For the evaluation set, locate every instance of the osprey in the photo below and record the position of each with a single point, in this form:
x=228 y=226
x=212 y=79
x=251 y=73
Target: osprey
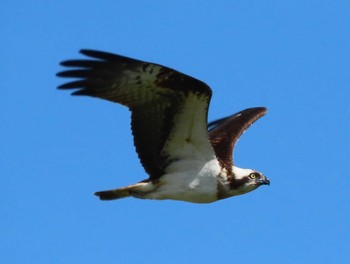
x=186 y=158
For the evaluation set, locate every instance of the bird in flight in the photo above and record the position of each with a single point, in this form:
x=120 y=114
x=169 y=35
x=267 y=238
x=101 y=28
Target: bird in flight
x=186 y=158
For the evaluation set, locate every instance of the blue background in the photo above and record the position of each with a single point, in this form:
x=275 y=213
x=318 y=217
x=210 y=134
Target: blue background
x=56 y=150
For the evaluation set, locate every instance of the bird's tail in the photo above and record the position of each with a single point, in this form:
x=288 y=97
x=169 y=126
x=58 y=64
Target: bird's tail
x=136 y=190
x=113 y=194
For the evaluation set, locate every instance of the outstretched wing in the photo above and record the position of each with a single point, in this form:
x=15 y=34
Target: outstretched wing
x=166 y=105
x=224 y=133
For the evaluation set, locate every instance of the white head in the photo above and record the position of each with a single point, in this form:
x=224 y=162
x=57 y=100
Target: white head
x=246 y=180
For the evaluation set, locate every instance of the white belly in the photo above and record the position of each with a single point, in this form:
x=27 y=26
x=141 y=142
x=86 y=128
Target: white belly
x=190 y=181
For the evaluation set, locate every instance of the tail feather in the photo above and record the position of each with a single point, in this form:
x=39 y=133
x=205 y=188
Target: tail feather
x=113 y=194
x=136 y=190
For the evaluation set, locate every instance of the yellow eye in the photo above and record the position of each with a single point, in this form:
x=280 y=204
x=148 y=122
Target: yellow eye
x=252 y=175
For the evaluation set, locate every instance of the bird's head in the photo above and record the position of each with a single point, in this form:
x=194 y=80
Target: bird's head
x=246 y=180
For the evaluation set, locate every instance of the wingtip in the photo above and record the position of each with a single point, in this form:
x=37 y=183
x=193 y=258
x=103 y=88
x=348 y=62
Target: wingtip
x=86 y=51
x=260 y=110
x=97 y=54
x=264 y=110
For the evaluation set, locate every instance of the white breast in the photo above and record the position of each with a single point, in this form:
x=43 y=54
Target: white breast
x=192 y=181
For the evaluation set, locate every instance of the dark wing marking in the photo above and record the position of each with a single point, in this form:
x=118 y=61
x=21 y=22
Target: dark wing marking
x=152 y=92
x=224 y=133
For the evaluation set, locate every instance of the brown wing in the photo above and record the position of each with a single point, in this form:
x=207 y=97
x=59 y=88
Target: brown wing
x=153 y=93
x=224 y=133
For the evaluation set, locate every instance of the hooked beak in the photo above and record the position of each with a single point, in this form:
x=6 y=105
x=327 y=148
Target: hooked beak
x=265 y=181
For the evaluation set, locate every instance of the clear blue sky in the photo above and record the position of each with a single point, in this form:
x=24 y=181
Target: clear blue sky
x=56 y=150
